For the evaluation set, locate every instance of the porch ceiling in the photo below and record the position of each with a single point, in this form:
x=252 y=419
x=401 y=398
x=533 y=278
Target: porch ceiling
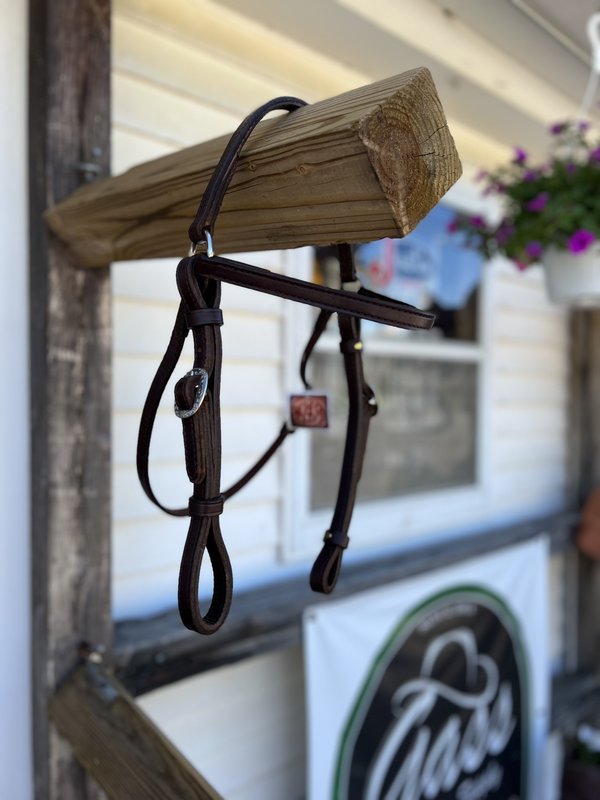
x=377 y=38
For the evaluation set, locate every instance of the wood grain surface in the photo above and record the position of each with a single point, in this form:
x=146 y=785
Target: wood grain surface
x=119 y=745
x=70 y=367
x=357 y=167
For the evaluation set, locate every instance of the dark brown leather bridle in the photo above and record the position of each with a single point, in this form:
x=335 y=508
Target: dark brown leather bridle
x=197 y=394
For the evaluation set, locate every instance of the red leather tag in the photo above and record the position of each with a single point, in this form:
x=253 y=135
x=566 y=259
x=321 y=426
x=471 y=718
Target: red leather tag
x=309 y=411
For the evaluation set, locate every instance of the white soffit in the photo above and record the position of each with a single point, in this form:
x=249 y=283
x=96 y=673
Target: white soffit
x=497 y=72
x=450 y=40
x=289 y=46
x=546 y=36
x=566 y=21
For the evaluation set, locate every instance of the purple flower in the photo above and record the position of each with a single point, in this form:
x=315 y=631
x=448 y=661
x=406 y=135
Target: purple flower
x=595 y=154
x=481 y=175
x=582 y=125
x=495 y=187
x=538 y=203
x=520 y=265
x=530 y=175
x=520 y=156
x=557 y=128
x=570 y=167
x=534 y=250
x=477 y=221
x=581 y=240
x=504 y=232
x=454 y=225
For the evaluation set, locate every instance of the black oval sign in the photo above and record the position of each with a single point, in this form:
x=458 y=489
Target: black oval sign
x=442 y=714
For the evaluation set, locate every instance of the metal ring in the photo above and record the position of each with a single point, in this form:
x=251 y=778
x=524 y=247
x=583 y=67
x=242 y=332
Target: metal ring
x=201 y=388
x=207 y=242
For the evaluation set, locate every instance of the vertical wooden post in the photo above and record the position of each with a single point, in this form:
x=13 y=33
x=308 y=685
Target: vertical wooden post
x=69 y=123
x=585 y=470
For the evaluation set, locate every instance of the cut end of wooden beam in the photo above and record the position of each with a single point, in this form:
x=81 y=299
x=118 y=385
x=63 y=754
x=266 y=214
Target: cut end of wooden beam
x=361 y=166
x=411 y=150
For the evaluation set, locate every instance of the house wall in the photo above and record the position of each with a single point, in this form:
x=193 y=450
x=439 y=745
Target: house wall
x=167 y=71
x=183 y=74
x=15 y=747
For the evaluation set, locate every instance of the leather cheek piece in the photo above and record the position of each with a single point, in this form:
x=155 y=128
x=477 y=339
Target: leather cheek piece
x=185 y=390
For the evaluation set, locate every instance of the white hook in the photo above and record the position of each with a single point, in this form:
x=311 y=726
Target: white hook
x=593 y=32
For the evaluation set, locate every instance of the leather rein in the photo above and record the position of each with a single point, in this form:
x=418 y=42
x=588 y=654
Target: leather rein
x=197 y=394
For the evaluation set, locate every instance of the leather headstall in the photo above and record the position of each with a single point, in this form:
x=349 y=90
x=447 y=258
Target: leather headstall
x=197 y=394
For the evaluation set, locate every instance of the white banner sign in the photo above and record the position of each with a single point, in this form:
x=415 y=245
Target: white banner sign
x=433 y=688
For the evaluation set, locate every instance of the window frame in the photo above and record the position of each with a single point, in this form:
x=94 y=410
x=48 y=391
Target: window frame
x=409 y=519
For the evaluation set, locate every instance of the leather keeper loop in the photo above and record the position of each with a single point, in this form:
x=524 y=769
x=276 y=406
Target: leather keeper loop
x=337 y=538
x=196 y=317
x=206 y=508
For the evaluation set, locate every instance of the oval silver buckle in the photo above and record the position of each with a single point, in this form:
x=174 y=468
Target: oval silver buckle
x=201 y=388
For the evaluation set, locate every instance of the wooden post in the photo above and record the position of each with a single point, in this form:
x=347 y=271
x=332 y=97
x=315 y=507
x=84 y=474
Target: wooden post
x=119 y=745
x=585 y=472
x=360 y=166
x=69 y=122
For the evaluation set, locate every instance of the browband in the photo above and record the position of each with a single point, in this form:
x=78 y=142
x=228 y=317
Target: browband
x=197 y=394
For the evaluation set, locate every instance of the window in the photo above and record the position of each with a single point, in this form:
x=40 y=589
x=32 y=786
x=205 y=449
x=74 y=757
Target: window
x=425 y=434
x=426 y=441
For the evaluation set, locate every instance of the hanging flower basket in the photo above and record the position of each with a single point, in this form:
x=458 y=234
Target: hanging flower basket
x=573 y=279
x=551 y=214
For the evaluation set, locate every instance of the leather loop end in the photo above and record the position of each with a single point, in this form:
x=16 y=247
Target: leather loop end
x=204 y=536
x=326 y=569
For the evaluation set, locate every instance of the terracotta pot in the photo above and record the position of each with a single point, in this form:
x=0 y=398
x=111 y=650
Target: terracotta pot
x=573 y=279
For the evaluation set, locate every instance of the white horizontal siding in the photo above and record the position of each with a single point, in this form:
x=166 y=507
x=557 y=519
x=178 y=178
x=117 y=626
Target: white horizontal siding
x=161 y=59
x=150 y=110
x=130 y=504
x=178 y=79
x=245 y=430
x=251 y=393
x=160 y=105
x=242 y=726
x=529 y=395
x=246 y=53
x=246 y=336
x=130 y=148
x=167 y=94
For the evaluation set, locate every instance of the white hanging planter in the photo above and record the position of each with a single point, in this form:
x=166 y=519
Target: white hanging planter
x=573 y=279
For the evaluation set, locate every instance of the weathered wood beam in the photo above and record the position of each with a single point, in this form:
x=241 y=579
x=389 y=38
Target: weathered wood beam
x=118 y=744
x=584 y=450
x=70 y=340
x=154 y=652
x=360 y=166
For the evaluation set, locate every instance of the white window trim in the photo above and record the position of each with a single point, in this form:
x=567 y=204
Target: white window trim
x=410 y=519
